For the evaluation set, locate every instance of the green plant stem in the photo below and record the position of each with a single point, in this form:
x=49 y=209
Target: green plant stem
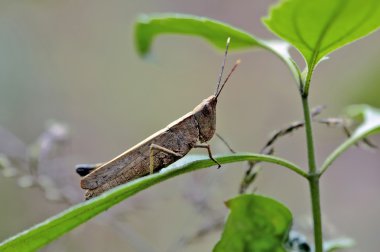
x=313 y=178
x=309 y=136
x=316 y=208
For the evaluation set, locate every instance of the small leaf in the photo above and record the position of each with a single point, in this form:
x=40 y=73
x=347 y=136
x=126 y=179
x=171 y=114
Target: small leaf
x=52 y=228
x=370 y=118
x=149 y=26
x=318 y=27
x=256 y=223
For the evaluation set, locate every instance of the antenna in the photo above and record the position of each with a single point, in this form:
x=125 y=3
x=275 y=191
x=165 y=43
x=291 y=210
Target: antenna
x=223 y=64
x=228 y=76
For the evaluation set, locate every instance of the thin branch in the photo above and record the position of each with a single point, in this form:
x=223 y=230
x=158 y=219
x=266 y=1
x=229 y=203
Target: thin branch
x=268 y=148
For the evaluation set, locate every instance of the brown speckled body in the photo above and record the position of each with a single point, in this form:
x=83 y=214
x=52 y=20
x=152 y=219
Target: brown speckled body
x=180 y=136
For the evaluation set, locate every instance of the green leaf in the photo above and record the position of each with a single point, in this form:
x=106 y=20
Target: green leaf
x=370 y=118
x=256 y=223
x=148 y=27
x=52 y=228
x=318 y=27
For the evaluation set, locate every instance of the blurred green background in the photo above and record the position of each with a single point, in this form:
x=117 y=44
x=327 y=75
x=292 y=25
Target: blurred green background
x=74 y=62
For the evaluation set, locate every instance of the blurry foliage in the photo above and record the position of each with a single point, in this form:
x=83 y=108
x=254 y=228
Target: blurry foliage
x=26 y=163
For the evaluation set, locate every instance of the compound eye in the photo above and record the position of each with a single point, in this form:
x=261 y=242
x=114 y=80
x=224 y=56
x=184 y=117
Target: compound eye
x=207 y=110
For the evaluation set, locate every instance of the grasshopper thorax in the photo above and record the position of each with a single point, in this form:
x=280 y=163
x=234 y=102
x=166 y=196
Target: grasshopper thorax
x=205 y=115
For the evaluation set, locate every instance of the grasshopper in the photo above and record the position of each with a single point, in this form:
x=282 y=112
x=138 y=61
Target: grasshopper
x=193 y=130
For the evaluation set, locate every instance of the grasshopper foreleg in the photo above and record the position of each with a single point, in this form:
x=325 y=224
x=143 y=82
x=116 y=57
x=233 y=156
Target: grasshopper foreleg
x=154 y=147
x=207 y=146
